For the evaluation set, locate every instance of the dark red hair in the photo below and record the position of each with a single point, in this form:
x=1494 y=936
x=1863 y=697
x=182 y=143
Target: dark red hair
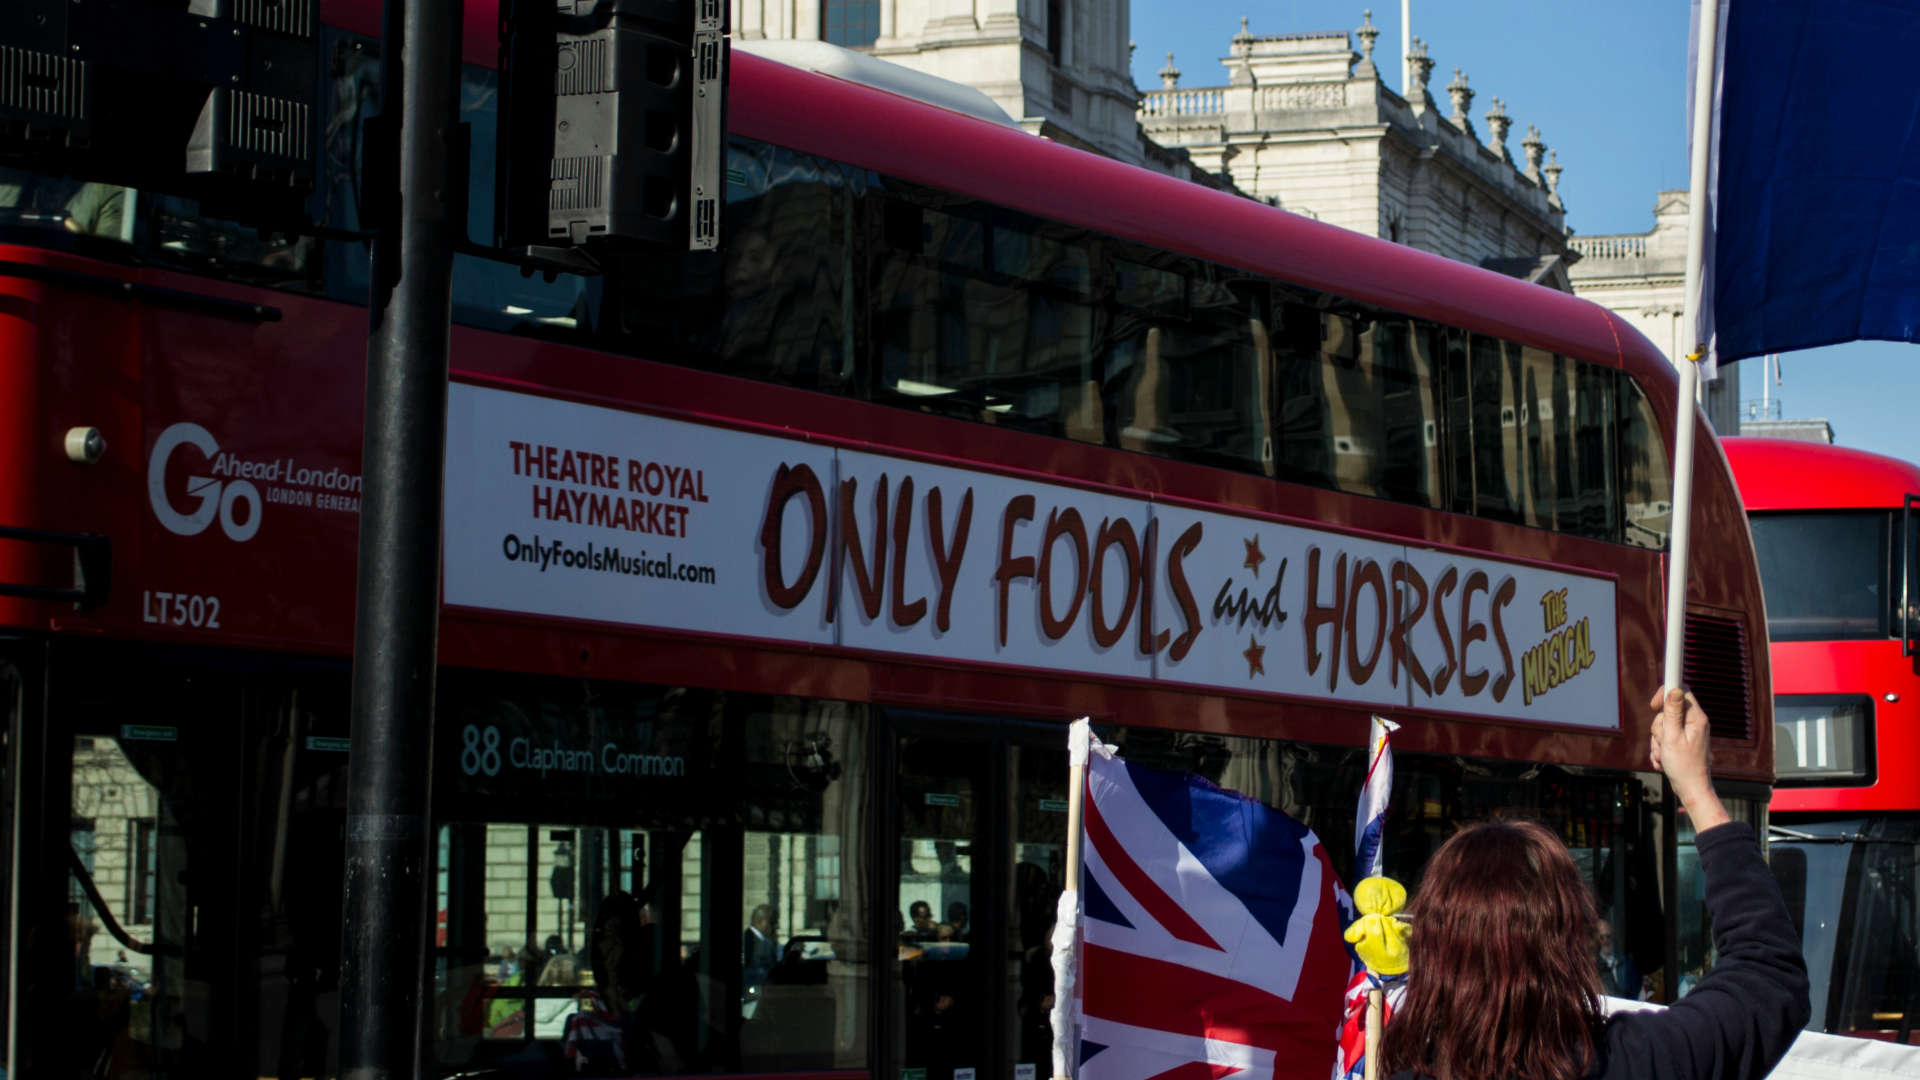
x=1503 y=983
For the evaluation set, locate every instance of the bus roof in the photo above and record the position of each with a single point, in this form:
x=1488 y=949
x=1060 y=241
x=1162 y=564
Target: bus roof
x=1788 y=474
x=861 y=125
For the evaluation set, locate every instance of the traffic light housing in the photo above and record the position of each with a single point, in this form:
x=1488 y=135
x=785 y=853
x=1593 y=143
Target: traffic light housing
x=613 y=123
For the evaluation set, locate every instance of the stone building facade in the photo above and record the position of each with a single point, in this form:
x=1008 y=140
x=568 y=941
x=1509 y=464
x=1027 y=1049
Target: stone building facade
x=1060 y=68
x=1307 y=123
x=1642 y=278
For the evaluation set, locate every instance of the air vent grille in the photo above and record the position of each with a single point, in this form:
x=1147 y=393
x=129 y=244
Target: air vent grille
x=1717 y=669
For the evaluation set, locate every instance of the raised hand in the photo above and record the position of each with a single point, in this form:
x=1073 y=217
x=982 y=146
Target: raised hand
x=1681 y=748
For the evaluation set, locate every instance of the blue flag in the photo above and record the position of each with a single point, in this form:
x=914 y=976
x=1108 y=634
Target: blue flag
x=1814 y=201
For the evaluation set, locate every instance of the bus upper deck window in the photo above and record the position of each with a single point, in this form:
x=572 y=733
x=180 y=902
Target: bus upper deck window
x=1646 y=480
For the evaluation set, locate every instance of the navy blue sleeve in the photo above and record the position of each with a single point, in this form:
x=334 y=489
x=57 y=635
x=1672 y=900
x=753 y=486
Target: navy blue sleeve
x=1746 y=1012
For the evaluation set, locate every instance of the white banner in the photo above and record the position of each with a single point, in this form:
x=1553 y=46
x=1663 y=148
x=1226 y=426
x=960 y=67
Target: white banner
x=1816 y=1055
x=578 y=511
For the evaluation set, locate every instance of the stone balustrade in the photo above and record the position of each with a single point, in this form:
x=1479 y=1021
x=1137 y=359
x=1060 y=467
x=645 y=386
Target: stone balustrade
x=1190 y=101
x=1610 y=247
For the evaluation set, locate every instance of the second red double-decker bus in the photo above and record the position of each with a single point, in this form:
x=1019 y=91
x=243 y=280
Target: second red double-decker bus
x=1836 y=535
x=772 y=577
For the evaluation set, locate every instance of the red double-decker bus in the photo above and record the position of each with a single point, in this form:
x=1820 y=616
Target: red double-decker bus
x=1836 y=536
x=770 y=579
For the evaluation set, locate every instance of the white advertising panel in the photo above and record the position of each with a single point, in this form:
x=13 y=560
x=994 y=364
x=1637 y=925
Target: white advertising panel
x=557 y=508
x=561 y=509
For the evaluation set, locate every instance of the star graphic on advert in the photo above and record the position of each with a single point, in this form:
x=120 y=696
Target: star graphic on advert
x=1256 y=655
x=1254 y=557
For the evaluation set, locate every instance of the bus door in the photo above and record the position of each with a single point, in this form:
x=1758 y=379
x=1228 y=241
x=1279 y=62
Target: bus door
x=582 y=908
x=179 y=880
x=12 y=707
x=980 y=842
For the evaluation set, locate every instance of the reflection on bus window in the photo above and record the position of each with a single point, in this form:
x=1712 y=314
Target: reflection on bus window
x=1881 y=993
x=1646 y=480
x=986 y=317
x=1039 y=819
x=130 y=1005
x=940 y=807
x=1853 y=888
x=803 y=955
x=1363 y=416
x=776 y=303
x=487 y=293
x=1543 y=443
x=162 y=894
x=691 y=897
x=1188 y=364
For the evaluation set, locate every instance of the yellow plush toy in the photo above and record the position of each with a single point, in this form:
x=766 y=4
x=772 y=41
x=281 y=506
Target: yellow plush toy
x=1379 y=938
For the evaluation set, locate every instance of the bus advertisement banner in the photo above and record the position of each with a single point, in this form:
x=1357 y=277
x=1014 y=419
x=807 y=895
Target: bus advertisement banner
x=568 y=510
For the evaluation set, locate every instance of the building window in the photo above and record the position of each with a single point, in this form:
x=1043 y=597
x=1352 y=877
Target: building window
x=141 y=871
x=1056 y=19
x=852 y=23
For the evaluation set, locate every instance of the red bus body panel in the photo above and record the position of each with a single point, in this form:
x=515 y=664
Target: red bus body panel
x=292 y=390
x=1788 y=475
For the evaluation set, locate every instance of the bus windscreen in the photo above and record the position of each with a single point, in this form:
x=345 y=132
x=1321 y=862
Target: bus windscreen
x=1825 y=574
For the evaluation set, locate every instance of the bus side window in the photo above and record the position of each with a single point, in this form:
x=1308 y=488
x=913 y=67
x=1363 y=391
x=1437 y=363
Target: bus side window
x=492 y=294
x=1189 y=364
x=1458 y=431
x=1646 y=480
x=1542 y=426
x=1372 y=401
x=1588 y=506
x=986 y=315
x=1567 y=420
x=775 y=304
x=1497 y=464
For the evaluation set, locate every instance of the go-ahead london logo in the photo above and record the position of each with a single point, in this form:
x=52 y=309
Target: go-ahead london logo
x=224 y=488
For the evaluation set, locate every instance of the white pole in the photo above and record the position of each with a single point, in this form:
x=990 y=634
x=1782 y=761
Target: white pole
x=1065 y=969
x=1406 y=47
x=1766 y=386
x=1703 y=138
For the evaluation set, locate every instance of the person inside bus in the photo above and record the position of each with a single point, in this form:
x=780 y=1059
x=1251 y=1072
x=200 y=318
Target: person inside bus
x=957 y=918
x=759 y=951
x=1504 y=924
x=921 y=913
x=77 y=206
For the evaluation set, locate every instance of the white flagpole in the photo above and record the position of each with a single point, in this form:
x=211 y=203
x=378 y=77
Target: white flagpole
x=1406 y=47
x=1685 y=406
x=1066 y=919
x=1376 y=1024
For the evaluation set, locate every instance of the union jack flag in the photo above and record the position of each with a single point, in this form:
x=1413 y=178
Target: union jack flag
x=1211 y=928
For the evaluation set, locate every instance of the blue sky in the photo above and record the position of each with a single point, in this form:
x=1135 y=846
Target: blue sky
x=1605 y=82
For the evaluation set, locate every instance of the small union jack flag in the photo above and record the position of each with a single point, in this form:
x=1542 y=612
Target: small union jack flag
x=1369 y=828
x=1211 y=933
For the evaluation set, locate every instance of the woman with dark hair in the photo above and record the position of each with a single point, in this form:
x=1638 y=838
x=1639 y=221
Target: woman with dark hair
x=1503 y=986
